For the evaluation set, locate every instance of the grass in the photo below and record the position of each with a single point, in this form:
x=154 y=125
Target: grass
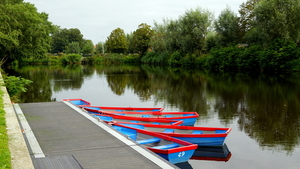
x=5 y=160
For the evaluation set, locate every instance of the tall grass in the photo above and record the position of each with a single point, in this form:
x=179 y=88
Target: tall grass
x=5 y=161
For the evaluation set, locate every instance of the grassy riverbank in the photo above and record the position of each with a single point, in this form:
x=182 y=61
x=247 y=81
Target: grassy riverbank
x=5 y=161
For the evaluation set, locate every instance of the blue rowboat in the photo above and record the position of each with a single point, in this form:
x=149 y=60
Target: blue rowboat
x=171 y=149
x=188 y=118
x=126 y=119
x=78 y=102
x=123 y=109
x=83 y=103
x=202 y=136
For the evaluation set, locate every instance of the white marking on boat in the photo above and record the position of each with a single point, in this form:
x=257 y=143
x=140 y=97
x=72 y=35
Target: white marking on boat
x=32 y=141
x=158 y=161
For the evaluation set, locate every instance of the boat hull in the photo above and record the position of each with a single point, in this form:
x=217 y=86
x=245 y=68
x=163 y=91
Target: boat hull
x=202 y=136
x=178 y=157
x=204 y=141
x=123 y=109
x=142 y=121
x=78 y=102
x=188 y=118
x=178 y=154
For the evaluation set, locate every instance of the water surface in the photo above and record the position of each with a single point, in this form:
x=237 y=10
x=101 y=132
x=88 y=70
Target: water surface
x=263 y=111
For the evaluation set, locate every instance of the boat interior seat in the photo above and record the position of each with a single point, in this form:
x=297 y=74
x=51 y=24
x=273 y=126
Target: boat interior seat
x=188 y=114
x=155 y=110
x=119 y=110
x=78 y=102
x=168 y=116
x=150 y=140
x=156 y=123
x=137 y=126
x=104 y=118
x=120 y=114
x=197 y=132
x=132 y=134
x=221 y=131
x=139 y=111
x=169 y=131
x=93 y=108
x=145 y=115
x=134 y=122
x=168 y=146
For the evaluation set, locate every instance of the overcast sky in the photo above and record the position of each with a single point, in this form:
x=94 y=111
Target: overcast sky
x=96 y=19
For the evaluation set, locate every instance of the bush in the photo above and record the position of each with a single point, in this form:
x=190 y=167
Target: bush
x=201 y=62
x=249 y=58
x=15 y=86
x=280 y=56
x=133 y=58
x=175 y=59
x=188 y=61
x=71 y=58
x=224 y=58
x=113 y=59
x=162 y=58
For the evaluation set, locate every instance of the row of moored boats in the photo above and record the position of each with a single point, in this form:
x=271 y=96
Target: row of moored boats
x=171 y=135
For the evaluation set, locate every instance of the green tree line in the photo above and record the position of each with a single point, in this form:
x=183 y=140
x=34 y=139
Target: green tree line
x=263 y=36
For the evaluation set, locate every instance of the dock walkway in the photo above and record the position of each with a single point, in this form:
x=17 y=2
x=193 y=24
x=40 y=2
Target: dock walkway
x=60 y=135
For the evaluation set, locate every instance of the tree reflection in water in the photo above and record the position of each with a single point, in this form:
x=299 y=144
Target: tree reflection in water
x=267 y=107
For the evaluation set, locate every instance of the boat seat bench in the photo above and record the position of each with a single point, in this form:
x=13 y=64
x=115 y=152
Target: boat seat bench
x=169 y=131
x=197 y=132
x=150 y=140
x=168 y=146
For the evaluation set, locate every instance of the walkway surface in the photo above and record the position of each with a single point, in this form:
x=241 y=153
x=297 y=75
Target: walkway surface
x=60 y=135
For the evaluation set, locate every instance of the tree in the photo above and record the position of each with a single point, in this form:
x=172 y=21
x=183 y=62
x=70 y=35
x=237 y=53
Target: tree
x=63 y=37
x=173 y=35
x=116 y=42
x=140 y=41
x=73 y=47
x=100 y=47
x=194 y=26
x=278 y=19
x=158 y=39
x=246 y=16
x=24 y=32
x=128 y=40
x=227 y=27
x=11 y=1
x=88 y=47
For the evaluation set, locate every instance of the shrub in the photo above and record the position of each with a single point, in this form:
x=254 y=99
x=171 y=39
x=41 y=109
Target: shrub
x=162 y=58
x=201 y=62
x=71 y=58
x=175 y=59
x=249 y=58
x=133 y=58
x=16 y=85
x=280 y=56
x=148 y=57
x=188 y=61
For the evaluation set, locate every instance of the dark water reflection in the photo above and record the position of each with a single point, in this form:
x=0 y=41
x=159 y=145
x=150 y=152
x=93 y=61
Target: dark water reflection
x=264 y=111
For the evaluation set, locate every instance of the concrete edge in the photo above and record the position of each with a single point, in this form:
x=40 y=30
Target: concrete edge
x=31 y=139
x=20 y=157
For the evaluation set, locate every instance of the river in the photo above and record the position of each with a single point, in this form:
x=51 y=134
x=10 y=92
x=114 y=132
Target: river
x=262 y=110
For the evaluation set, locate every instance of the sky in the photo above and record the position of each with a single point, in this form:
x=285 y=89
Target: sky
x=96 y=19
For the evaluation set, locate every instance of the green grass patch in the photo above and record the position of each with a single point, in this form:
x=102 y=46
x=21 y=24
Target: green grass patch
x=5 y=161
